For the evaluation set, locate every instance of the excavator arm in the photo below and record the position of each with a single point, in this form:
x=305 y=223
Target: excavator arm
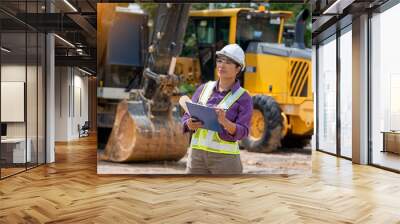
x=145 y=127
x=166 y=44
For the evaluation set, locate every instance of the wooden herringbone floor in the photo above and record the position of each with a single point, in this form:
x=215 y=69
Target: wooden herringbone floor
x=70 y=191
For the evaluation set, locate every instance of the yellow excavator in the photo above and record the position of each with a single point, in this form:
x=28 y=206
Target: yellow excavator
x=147 y=125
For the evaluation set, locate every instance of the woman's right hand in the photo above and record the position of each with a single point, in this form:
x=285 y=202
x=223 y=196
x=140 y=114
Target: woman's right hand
x=194 y=125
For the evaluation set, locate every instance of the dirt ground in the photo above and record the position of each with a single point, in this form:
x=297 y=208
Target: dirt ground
x=284 y=161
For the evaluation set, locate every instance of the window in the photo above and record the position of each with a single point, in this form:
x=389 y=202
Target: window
x=190 y=41
x=205 y=34
x=346 y=93
x=385 y=89
x=205 y=31
x=222 y=36
x=212 y=34
x=256 y=27
x=327 y=96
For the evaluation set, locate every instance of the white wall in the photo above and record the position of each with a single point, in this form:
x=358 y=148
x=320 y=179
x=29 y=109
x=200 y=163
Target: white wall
x=80 y=102
x=13 y=73
x=71 y=94
x=61 y=103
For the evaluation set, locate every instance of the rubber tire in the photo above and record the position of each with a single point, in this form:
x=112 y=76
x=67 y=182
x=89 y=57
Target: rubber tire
x=272 y=136
x=292 y=141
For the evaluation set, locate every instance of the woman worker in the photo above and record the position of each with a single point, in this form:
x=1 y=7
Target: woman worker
x=218 y=152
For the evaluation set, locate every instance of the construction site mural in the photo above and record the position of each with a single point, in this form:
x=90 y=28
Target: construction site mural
x=204 y=88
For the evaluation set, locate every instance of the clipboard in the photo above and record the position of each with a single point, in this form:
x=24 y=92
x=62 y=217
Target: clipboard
x=205 y=114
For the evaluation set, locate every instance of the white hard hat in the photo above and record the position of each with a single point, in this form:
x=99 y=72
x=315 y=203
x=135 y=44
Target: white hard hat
x=234 y=52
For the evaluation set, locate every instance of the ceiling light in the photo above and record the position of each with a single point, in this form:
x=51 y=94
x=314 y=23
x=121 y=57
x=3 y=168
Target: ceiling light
x=65 y=41
x=132 y=8
x=338 y=6
x=70 y=5
x=5 y=50
x=86 y=72
x=328 y=10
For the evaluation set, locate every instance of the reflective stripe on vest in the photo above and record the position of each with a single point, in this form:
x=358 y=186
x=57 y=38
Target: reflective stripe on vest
x=209 y=140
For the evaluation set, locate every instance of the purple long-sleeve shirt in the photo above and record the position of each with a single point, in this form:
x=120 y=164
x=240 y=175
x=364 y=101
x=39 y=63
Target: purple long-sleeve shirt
x=240 y=112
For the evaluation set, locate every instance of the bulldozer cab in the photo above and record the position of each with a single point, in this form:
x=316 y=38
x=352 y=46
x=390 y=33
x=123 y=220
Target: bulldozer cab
x=204 y=36
x=257 y=27
x=210 y=30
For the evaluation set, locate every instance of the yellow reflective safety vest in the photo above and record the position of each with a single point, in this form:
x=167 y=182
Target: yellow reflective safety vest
x=209 y=140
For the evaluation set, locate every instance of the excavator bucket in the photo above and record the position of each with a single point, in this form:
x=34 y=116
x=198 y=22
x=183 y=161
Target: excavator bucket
x=138 y=136
x=147 y=128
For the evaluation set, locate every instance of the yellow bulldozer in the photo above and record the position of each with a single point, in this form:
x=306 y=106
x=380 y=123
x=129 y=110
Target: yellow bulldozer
x=147 y=124
x=278 y=77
